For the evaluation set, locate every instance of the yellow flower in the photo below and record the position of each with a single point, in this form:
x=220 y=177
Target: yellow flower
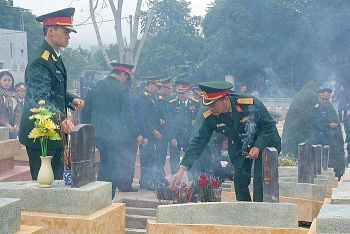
x=36 y=133
x=44 y=127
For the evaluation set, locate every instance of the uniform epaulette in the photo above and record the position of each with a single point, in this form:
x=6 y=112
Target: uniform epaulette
x=173 y=100
x=194 y=99
x=146 y=93
x=45 y=55
x=207 y=113
x=317 y=105
x=247 y=101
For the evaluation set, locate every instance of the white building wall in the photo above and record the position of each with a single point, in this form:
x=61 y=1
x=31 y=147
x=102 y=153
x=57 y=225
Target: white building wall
x=13 y=52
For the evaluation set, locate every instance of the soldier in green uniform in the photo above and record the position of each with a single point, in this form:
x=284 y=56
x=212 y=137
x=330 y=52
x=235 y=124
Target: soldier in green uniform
x=162 y=144
x=46 y=79
x=152 y=121
x=181 y=114
x=107 y=108
x=322 y=127
x=249 y=128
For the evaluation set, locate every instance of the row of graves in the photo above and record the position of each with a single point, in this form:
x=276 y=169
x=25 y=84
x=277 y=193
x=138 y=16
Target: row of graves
x=307 y=193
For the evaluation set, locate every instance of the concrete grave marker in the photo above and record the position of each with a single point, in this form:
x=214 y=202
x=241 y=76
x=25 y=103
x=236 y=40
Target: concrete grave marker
x=325 y=157
x=270 y=175
x=318 y=151
x=305 y=163
x=83 y=155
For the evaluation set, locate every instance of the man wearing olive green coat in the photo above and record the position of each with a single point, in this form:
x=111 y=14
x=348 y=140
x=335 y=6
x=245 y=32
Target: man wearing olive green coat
x=249 y=127
x=46 y=79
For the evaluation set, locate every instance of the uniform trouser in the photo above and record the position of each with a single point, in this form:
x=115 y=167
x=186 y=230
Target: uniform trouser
x=35 y=162
x=111 y=156
x=148 y=165
x=162 y=151
x=242 y=178
x=127 y=172
x=175 y=157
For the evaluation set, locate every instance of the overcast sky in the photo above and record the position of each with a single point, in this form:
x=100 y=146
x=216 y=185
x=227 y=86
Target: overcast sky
x=86 y=35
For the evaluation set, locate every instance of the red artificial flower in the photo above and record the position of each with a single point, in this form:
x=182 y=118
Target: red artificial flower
x=203 y=176
x=189 y=196
x=215 y=183
x=175 y=191
x=184 y=185
x=203 y=182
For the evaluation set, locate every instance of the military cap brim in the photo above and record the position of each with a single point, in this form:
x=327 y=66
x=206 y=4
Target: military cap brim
x=213 y=90
x=166 y=82
x=122 y=67
x=61 y=18
x=182 y=86
x=325 y=93
x=154 y=79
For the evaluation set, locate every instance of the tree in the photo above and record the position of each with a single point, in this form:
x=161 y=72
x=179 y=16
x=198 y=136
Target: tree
x=247 y=38
x=15 y=18
x=174 y=43
x=126 y=52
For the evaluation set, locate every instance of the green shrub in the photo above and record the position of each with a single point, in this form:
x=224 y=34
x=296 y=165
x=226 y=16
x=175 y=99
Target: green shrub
x=286 y=160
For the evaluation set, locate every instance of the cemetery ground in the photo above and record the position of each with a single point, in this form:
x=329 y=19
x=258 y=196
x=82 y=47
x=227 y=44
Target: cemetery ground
x=310 y=203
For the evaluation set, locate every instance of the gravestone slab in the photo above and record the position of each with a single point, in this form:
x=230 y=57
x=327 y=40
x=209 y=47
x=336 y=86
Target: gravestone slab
x=60 y=199
x=260 y=214
x=325 y=158
x=4 y=133
x=333 y=219
x=318 y=151
x=270 y=175
x=303 y=190
x=10 y=215
x=305 y=163
x=82 y=155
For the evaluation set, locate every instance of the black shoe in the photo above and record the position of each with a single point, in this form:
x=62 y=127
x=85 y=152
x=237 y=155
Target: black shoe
x=127 y=190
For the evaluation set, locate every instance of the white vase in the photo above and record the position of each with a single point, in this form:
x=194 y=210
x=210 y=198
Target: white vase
x=45 y=175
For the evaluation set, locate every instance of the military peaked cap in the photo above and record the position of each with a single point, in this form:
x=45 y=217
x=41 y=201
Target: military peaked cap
x=213 y=90
x=325 y=93
x=62 y=18
x=122 y=67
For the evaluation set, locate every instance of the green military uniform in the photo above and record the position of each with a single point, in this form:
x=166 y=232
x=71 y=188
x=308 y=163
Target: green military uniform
x=180 y=117
x=46 y=79
x=246 y=112
x=148 y=177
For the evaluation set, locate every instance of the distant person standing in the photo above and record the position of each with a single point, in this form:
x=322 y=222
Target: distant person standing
x=181 y=115
x=106 y=106
x=126 y=175
x=152 y=120
x=243 y=88
x=343 y=96
x=46 y=79
x=10 y=110
x=21 y=93
x=162 y=144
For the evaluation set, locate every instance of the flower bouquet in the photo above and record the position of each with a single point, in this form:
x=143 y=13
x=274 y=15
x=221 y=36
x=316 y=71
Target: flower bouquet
x=207 y=189
x=44 y=129
x=178 y=195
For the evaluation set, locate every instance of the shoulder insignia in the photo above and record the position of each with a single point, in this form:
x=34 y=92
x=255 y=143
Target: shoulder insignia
x=317 y=105
x=45 y=55
x=194 y=100
x=145 y=93
x=207 y=113
x=173 y=100
x=247 y=101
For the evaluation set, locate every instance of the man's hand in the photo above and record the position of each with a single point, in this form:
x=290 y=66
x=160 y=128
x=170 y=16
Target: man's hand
x=78 y=103
x=139 y=140
x=173 y=143
x=176 y=178
x=67 y=126
x=253 y=153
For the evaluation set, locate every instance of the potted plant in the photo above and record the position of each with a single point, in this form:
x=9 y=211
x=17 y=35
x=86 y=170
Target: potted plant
x=44 y=129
